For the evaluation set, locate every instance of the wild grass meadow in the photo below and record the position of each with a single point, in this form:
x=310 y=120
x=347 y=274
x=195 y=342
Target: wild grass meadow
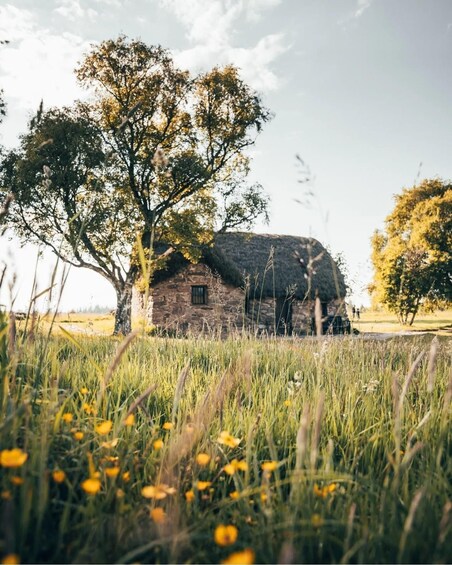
x=150 y=449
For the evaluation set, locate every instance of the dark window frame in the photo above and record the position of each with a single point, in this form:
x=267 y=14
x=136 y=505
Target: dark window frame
x=199 y=295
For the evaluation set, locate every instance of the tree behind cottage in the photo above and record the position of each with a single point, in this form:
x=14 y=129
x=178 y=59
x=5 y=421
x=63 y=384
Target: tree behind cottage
x=412 y=257
x=155 y=153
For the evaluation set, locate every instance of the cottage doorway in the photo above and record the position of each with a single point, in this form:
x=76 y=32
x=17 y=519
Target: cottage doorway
x=283 y=315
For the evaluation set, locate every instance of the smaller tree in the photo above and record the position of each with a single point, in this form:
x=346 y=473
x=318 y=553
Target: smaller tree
x=412 y=257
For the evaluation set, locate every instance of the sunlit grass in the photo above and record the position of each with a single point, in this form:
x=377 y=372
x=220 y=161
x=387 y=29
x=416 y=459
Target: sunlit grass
x=315 y=450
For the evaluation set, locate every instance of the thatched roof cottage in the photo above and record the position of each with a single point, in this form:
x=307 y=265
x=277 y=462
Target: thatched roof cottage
x=265 y=283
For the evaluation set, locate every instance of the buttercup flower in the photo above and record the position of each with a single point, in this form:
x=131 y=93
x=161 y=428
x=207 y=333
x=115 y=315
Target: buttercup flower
x=158 y=444
x=58 y=476
x=225 y=535
x=245 y=557
x=78 y=435
x=323 y=492
x=130 y=420
x=158 y=515
x=13 y=457
x=104 y=427
x=189 y=495
x=91 y=486
x=202 y=485
x=168 y=426
x=269 y=466
x=234 y=495
x=67 y=417
x=317 y=521
x=226 y=439
x=126 y=476
x=235 y=465
x=202 y=459
x=159 y=492
x=112 y=472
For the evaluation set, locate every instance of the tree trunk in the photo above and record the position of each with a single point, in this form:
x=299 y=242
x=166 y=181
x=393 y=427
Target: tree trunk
x=123 y=314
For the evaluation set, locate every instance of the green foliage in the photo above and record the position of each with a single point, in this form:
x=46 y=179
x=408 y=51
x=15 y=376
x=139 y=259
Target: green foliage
x=155 y=152
x=360 y=440
x=412 y=258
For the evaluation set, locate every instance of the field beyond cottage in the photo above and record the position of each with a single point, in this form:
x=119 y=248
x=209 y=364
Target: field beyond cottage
x=195 y=450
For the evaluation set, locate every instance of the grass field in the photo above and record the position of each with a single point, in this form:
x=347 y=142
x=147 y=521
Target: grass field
x=439 y=323
x=195 y=450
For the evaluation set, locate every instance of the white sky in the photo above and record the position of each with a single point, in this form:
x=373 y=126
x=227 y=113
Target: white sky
x=360 y=89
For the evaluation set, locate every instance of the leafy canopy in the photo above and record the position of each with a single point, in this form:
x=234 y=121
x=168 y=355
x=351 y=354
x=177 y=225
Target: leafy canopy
x=155 y=152
x=412 y=257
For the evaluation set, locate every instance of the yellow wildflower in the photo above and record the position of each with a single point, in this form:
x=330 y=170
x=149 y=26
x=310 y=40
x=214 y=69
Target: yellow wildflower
x=84 y=390
x=67 y=417
x=235 y=465
x=158 y=515
x=112 y=472
x=158 y=444
x=269 y=466
x=110 y=444
x=17 y=480
x=78 y=435
x=203 y=459
x=226 y=439
x=58 y=476
x=168 y=426
x=126 y=476
x=91 y=486
x=245 y=557
x=13 y=457
x=225 y=535
x=88 y=409
x=159 y=492
x=11 y=559
x=189 y=495
x=130 y=420
x=104 y=427
x=202 y=485
x=287 y=403
x=323 y=492
x=234 y=495
x=317 y=521
x=120 y=493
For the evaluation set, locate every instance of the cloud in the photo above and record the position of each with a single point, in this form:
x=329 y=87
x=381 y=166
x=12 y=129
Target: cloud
x=211 y=29
x=73 y=10
x=15 y=24
x=37 y=64
x=361 y=7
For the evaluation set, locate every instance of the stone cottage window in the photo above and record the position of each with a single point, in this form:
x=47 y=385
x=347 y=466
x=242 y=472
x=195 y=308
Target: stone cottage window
x=199 y=294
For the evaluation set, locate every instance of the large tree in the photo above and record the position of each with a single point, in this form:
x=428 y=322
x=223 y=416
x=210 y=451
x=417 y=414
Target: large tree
x=412 y=257
x=155 y=154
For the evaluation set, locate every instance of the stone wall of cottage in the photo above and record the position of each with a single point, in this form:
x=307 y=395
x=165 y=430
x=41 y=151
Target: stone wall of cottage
x=169 y=306
x=170 y=303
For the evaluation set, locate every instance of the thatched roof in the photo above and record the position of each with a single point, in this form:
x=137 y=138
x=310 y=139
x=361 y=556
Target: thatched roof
x=268 y=265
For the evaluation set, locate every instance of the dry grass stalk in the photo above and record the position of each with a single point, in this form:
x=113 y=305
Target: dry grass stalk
x=318 y=317
x=12 y=334
x=317 y=426
x=183 y=443
x=431 y=364
x=287 y=553
x=181 y=382
x=350 y=521
x=117 y=358
x=409 y=522
x=140 y=399
x=409 y=378
x=446 y=522
x=302 y=438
